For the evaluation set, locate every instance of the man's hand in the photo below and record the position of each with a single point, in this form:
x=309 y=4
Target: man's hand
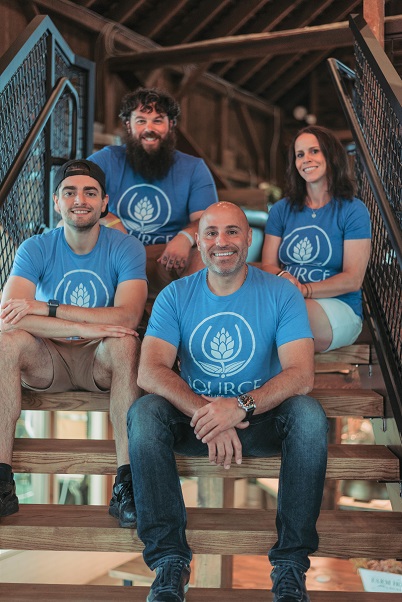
x=14 y=309
x=101 y=331
x=176 y=254
x=220 y=414
x=223 y=447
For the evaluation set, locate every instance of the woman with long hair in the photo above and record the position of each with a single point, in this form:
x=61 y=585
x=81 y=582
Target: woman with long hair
x=319 y=236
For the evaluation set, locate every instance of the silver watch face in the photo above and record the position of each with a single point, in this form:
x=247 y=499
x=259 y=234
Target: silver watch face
x=246 y=402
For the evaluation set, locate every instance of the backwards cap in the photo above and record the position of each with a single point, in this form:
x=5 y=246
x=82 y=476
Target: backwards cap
x=79 y=167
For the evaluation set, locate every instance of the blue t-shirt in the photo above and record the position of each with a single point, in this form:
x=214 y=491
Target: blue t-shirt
x=312 y=247
x=88 y=280
x=155 y=212
x=229 y=345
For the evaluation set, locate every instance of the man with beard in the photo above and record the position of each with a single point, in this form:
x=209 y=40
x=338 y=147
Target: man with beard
x=246 y=368
x=69 y=311
x=157 y=192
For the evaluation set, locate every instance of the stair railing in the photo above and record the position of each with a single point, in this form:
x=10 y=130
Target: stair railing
x=371 y=97
x=46 y=117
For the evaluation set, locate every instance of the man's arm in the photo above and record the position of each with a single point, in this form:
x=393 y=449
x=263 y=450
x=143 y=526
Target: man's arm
x=296 y=378
x=21 y=310
x=157 y=359
x=177 y=251
x=155 y=369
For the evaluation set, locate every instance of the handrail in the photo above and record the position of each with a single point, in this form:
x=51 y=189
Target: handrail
x=36 y=131
x=388 y=216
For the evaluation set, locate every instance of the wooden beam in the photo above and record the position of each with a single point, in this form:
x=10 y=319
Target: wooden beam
x=126 y=9
x=272 y=20
x=189 y=80
x=199 y=19
x=165 y=15
x=240 y=15
x=374 y=14
x=251 y=137
x=244 y=46
x=308 y=15
x=127 y=39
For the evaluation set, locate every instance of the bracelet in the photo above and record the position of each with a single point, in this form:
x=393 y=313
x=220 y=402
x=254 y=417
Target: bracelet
x=309 y=290
x=279 y=274
x=190 y=238
x=113 y=223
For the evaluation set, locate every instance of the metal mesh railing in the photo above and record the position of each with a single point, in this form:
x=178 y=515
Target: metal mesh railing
x=29 y=73
x=379 y=114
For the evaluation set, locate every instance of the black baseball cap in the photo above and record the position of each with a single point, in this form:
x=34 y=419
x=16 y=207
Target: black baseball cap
x=79 y=167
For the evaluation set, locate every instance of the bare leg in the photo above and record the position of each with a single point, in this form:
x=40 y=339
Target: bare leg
x=22 y=356
x=320 y=325
x=116 y=367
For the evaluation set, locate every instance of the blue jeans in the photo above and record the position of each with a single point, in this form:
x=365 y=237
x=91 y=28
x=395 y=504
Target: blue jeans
x=297 y=429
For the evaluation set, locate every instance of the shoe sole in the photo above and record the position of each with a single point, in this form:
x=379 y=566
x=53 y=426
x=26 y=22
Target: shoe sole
x=122 y=523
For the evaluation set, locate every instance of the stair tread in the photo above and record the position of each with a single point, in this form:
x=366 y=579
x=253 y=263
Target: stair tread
x=343 y=533
x=80 y=456
x=336 y=402
x=24 y=592
x=21 y=592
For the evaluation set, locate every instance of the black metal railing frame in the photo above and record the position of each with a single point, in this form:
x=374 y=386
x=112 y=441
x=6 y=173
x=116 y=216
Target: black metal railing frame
x=47 y=98
x=383 y=310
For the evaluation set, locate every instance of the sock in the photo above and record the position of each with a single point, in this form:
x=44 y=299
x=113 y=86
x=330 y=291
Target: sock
x=6 y=473
x=122 y=472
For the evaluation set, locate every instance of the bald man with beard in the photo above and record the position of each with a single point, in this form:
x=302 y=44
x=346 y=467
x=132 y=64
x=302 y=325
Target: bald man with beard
x=246 y=367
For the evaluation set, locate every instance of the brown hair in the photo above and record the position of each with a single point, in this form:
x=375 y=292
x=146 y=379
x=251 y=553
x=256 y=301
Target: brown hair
x=340 y=182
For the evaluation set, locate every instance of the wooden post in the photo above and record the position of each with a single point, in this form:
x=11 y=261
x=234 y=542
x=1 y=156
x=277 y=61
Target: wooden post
x=374 y=14
x=213 y=570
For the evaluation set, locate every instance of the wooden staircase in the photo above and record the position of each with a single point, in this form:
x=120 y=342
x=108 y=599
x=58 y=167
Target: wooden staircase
x=220 y=531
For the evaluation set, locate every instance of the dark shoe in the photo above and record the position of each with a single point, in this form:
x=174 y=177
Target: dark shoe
x=289 y=584
x=171 y=583
x=122 y=503
x=8 y=499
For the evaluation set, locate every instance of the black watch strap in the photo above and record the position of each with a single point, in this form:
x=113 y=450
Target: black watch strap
x=52 y=304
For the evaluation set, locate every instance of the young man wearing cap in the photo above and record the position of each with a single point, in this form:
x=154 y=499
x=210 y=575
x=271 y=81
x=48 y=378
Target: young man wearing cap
x=157 y=192
x=69 y=312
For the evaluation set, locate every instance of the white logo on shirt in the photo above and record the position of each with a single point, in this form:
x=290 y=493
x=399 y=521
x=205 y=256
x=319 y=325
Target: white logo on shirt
x=144 y=208
x=222 y=350
x=305 y=244
x=75 y=292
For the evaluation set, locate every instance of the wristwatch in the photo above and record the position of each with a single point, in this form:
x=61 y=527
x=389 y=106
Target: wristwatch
x=52 y=304
x=247 y=403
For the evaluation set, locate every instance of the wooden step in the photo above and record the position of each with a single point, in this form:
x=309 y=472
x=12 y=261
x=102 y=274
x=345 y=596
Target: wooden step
x=343 y=533
x=21 y=592
x=26 y=592
x=352 y=354
x=80 y=456
x=336 y=402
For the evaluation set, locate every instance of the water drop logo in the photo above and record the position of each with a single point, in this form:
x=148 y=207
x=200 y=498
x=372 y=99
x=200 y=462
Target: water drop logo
x=144 y=208
x=222 y=344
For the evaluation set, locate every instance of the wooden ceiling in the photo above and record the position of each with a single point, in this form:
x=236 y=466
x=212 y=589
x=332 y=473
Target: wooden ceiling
x=289 y=72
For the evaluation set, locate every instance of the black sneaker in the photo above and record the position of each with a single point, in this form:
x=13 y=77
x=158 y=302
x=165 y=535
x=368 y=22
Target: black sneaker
x=289 y=584
x=171 y=583
x=8 y=499
x=122 y=503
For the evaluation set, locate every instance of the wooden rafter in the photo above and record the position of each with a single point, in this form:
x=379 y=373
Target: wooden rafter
x=126 y=9
x=153 y=27
x=246 y=71
x=240 y=15
x=243 y=46
x=199 y=19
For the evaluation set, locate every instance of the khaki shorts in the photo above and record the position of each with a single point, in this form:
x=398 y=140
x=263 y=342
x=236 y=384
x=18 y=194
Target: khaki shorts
x=73 y=363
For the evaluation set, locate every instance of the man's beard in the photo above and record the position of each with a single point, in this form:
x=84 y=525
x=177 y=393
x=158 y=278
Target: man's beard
x=154 y=165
